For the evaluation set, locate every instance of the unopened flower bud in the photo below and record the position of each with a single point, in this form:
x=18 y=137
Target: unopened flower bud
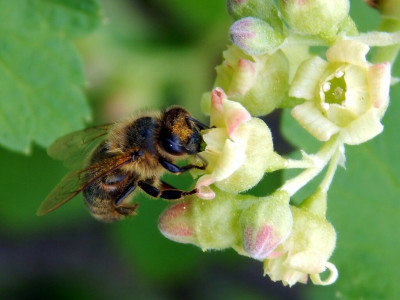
x=266 y=224
x=316 y=17
x=255 y=36
x=207 y=224
x=175 y=223
x=262 y=9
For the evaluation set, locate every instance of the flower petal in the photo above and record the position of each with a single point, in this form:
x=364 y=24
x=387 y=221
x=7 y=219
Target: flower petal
x=232 y=157
x=314 y=121
x=243 y=79
x=307 y=77
x=379 y=84
x=203 y=189
x=357 y=98
x=215 y=138
x=362 y=129
x=348 y=51
x=234 y=115
x=331 y=278
x=310 y=262
x=340 y=115
x=256 y=140
x=216 y=114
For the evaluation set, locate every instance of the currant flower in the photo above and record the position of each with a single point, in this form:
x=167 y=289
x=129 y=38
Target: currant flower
x=259 y=83
x=239 y=148
x=307 y=250
x=345 y=94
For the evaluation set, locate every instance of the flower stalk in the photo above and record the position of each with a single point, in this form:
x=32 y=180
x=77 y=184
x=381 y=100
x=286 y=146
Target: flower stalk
x=321 y=159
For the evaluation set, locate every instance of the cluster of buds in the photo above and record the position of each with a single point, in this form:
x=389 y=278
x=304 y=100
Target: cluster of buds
x=339 y=99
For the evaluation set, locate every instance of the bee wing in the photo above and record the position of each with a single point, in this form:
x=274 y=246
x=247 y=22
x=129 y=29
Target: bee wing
x=74 y=182
x=64 y=191
x=75 y=148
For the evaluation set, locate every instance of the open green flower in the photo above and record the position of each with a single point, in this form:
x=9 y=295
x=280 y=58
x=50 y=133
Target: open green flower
x=305 y=252
x=239 y=148
x=345 y=94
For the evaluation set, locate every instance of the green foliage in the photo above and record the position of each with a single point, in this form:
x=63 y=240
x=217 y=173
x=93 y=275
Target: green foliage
x=364 y=207
x=41 y=78
x=41 y=74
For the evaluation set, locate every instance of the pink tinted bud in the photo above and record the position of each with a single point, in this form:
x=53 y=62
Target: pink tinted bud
x=266 y=224
x=175 y=224
x=255 y=36
x=260 y=243
x=262 y=9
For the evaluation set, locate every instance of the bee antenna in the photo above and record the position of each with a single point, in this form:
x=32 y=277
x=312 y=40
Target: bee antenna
x=198 y=123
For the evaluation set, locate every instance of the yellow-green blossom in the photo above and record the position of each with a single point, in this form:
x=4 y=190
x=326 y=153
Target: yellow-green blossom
x=344 y=94
x=305 y=252
x=239 y=148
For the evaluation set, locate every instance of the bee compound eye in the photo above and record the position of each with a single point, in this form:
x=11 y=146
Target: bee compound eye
x=172 y=145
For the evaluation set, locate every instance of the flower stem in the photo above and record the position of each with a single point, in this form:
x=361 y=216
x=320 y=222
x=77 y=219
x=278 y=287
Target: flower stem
x=326 y=182
x=321 y=158
x=378 y=38
x=299 y=164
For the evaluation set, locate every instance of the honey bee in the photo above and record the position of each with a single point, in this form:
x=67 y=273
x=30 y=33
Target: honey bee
x=114 y=160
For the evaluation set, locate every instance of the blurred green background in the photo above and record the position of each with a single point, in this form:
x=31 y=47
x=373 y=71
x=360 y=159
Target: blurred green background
x=148 y=54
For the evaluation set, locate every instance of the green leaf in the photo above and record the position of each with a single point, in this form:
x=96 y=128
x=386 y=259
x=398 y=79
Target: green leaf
x=364 y=207
x=41 y=74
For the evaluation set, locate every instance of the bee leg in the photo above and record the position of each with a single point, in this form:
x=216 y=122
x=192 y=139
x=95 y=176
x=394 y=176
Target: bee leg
x=175 y=194
x=176 y=169
x=170 y=193
x=149 y=189
x=125 y=193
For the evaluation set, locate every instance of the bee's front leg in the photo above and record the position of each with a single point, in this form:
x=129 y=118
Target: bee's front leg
x=176 y=169
x=171 y=193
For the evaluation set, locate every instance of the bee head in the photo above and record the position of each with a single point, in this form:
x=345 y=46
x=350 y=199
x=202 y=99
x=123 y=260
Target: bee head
x=180 y=133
